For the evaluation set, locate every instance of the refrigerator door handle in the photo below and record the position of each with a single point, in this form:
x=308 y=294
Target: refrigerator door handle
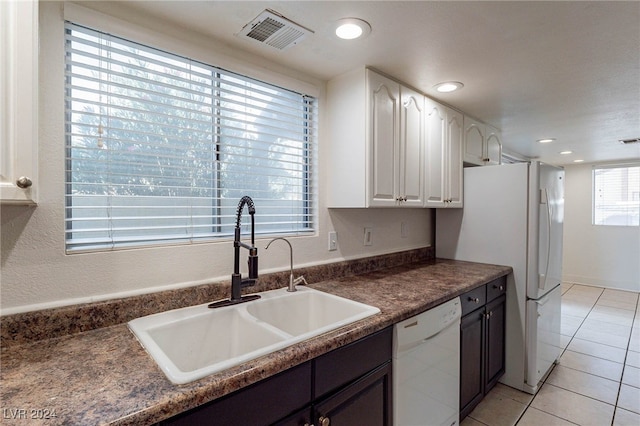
x=545 y=200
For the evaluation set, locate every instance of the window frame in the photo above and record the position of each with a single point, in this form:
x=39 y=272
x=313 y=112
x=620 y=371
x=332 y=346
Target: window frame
x=598 y=209
x=309 y=202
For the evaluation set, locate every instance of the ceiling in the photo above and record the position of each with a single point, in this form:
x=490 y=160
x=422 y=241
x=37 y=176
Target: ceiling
x=563 y=70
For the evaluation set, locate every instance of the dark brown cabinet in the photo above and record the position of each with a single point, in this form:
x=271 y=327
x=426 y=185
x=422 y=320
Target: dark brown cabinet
x=347 y=386
x=482 y=342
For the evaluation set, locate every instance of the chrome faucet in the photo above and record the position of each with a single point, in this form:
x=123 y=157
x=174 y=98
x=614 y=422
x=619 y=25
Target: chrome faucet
x=237 y=283
x=292 y=282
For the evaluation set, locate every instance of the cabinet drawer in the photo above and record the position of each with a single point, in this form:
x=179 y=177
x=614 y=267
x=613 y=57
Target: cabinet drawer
x=345 y=364
x=473 y=300
x=496 y=288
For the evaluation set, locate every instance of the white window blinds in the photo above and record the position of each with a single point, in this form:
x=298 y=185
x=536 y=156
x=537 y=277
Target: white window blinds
x=161 y=148
x=616 y=195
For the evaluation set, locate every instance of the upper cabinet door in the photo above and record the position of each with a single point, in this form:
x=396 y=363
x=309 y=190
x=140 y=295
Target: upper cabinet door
x=443 y=169
x=474 y=141
x=455 y=141
x=411 y=148
x=384 y=110
x=436 y=123
x=493 y=146
x=19 y=103
x=482 y=143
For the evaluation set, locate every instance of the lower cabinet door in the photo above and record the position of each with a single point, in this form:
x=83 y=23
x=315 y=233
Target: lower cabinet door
x=496 y=317
x=365 y=402
x=471 y=361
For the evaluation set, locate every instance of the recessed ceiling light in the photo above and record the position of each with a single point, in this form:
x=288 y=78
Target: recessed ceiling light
x=448 y=86
x=352 y=28
x=566 y=152
x=548 y=140
x=578 y=161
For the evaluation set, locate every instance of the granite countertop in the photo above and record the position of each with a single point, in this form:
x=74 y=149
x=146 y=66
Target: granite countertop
x=104 y=376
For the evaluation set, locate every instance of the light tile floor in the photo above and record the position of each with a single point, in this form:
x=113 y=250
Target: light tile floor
x=598 y=379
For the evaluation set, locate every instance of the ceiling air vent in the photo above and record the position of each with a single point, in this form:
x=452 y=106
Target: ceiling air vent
x=632 y=140
x=275 y=30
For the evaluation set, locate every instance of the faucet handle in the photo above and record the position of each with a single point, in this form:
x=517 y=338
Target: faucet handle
x=253 y=265
x=247 y=282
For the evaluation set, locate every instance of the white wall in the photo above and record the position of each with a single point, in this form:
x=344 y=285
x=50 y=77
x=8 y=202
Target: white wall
x=36 y=273
x=607 y=256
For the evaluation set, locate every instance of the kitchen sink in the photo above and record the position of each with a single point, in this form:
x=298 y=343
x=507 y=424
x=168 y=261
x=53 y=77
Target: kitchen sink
x=194 y=342
x=304 y=312
x=212 y=338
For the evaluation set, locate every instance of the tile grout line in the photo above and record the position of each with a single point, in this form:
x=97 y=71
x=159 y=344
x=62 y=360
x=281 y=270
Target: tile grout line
x=615 y=405
x=528 y=405
x=624 y=365
x=544 y=382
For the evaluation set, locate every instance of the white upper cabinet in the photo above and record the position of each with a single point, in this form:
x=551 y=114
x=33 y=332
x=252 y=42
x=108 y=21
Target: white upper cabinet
x=375 y=142
x=391 y=146
x=443 y=156
x=482 y=143
x=19 y=102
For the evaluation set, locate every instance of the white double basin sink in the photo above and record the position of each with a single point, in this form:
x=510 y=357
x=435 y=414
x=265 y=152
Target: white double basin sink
x=194 y=342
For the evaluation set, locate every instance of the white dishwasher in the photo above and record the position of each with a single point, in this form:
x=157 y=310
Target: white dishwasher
x=426 y=367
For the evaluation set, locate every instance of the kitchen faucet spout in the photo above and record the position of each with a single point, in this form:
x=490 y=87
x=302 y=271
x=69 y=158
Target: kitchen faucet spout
x=292 y=282
x=237 y=282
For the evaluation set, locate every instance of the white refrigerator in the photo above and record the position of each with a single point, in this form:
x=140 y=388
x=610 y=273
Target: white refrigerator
x=513 y=215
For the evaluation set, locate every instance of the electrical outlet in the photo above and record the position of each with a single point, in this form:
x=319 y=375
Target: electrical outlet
x=404 y=230
x=368 y=236
x=333 y=241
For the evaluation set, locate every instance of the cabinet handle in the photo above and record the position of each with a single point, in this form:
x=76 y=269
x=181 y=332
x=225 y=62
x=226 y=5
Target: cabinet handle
x=474 y=300
x=498 y=287
x=24 y=182
x=324 y=421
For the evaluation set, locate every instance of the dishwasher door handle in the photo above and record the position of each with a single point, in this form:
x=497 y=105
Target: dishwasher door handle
x=442 y=330
x=415 y=343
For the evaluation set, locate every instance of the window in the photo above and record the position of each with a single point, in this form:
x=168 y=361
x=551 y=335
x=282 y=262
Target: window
x=161 y=148
x=616 y=195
